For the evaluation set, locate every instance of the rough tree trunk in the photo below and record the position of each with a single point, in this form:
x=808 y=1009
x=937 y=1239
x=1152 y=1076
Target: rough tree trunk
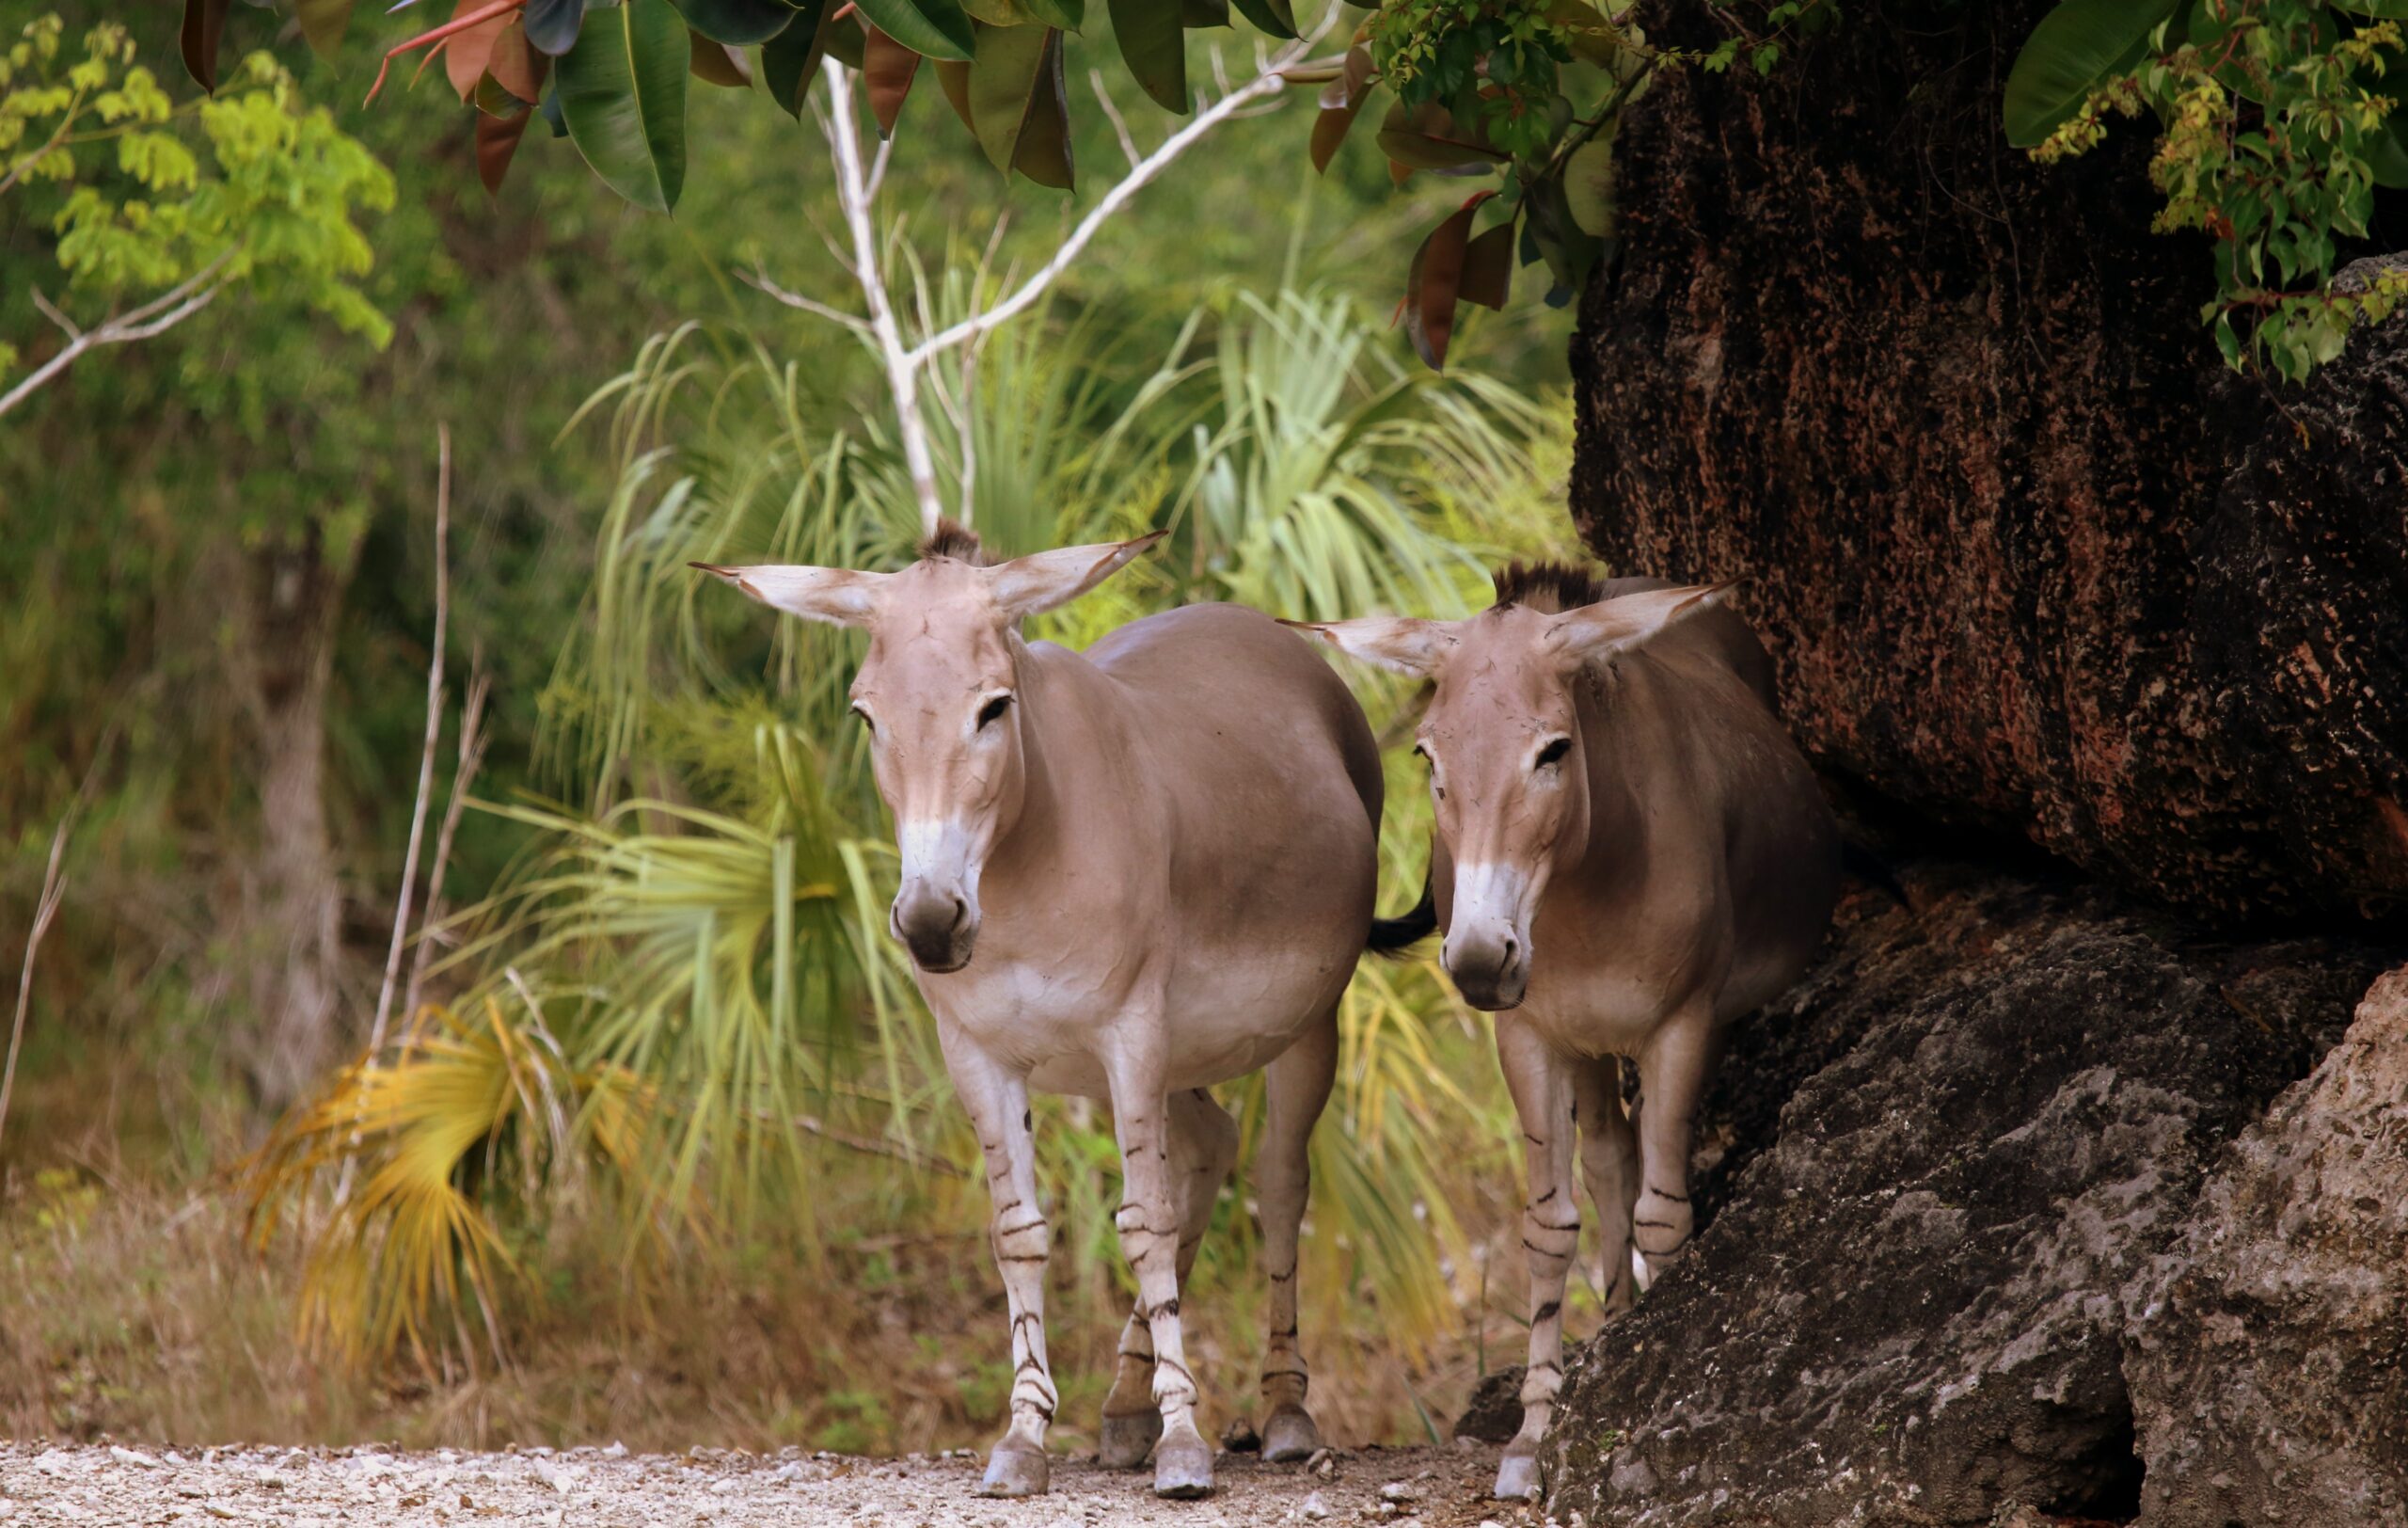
x=2027 y=555
x=293 y=907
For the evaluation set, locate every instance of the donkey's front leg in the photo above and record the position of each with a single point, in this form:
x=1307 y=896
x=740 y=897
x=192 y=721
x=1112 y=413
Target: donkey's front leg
x=1149 y=1221
x=1541 y=1082
x=1673 y=1071
x=997 y=1100
x=1204 y=1145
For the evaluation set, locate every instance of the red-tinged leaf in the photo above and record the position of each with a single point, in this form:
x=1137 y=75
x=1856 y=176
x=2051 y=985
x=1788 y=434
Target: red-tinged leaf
x=1427 y=137
x=716 y=63
x=204 y=23
x=888 y=68
x=1435 y=283
x=1399 y=172
x=954 y=79
x=516 y=65
x=496 y=141
x=1488 y=266
x=1341 y=101
x=464 y=52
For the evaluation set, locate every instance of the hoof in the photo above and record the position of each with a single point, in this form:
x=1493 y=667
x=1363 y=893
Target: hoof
x=1290 y=1437
x=1128 y=1439
x=1016 y=1471
x=1183 y=1469
x=1639 y=1273
x=1517 y=1477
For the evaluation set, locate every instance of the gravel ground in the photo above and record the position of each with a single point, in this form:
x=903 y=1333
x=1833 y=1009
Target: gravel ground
x=104 y=1484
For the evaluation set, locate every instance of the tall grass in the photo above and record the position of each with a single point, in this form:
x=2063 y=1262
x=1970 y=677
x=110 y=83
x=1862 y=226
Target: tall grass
x=701 y=922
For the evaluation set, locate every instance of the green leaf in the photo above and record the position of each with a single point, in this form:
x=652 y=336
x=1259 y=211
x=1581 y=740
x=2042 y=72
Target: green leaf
x=1589 y=185
x=1276 y=17
x=716 y=63
x=932 y=29
x=2386 y=150
x=323 y=23
x=552 y=26
x=1154 y=47
x=1429 y=138
x=791 y=59
x=740 y=23
x=2077 y=48
x=623 y=94
x=1018 y=106
x=1070 y=15
x=1202 y=13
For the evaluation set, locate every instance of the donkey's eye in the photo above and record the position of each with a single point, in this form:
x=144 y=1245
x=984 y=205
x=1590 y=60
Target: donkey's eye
x=1553 y=753
x=993 y=710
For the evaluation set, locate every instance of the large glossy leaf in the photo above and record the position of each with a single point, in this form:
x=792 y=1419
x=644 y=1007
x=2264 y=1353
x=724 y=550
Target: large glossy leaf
x=2386 y=150
x=1070 y=15
x=1276 y=17
x=716 y=63
x=1200 y=13
x=496 y=141
x=1155 y=48
x=1435 y=285
x=204 y=23
x=515 y=64
x=740 y=23
x=790 y=59
x=2078 y=47
x=622 y=93
x=1044 y=151
x=932 y=29
x=888 y=69
x=1341 y=101
x=1016 y=104
x=1427 y=137
x=552 y=26
x=1000 y=12
x=953 y=77
x=1488 y=266
x=464 y=54
x=324 y=22
x=1589 y=185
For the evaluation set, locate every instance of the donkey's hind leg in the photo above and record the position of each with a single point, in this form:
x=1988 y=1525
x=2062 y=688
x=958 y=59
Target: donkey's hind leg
x=1610 y=1163
x=1297 y=1086
x=1203 y=1148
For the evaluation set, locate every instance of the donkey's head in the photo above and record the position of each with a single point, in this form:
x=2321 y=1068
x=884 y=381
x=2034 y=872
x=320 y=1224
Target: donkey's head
x=1509 y=777
x=939 y=691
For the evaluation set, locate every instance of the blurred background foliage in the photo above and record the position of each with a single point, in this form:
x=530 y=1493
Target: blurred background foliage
x=665 y=1153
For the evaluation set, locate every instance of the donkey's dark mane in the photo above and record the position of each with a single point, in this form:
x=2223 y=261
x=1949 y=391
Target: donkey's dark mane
x=1547 y=587
x=958 y=542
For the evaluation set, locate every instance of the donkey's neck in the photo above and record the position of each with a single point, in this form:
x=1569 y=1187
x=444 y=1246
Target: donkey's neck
x=1617 y=824
x=1070 y=743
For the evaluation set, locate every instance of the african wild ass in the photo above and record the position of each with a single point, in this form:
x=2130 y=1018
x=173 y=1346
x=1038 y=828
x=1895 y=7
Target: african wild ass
x=1630 y=854
x=1128 y=874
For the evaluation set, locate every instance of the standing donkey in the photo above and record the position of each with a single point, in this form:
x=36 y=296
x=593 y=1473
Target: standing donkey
x=1161 y=853
x=1630 y=854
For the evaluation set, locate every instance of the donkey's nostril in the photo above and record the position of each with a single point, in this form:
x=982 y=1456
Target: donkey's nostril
x=1511 y=949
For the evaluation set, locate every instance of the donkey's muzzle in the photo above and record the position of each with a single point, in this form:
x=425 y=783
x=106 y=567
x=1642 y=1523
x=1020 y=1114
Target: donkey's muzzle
x=1492 y=971
x=936 y=927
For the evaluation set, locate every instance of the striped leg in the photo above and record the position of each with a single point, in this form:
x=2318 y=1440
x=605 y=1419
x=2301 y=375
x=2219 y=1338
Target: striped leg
x=1610 y=1163
x=1203 y=1148
x=1672 y=1076
x=998 y=1104
x=1297 y=1087
x=1542 y=1085
x=1149 y=1222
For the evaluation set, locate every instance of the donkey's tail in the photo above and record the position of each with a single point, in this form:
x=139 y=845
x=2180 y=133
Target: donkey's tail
x=1873 y=870
x=1392 y=937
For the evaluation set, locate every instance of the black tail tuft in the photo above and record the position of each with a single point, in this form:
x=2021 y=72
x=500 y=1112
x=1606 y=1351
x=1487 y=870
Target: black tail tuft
x=1873 y=870
x=1392 y=937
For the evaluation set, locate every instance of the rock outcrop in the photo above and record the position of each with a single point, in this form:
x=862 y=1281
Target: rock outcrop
x=2027 y=557
x=1954 y=1175
x=2271 y=1374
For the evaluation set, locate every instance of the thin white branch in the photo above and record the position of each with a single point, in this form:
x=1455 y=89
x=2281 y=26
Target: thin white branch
x=434 y=734
x=853 y=194
x=1264 y=86
x=54 y=889
x=471 y=753
x=1221 y=69
x=760 y=279
x=154 y=318
x=1112 y=114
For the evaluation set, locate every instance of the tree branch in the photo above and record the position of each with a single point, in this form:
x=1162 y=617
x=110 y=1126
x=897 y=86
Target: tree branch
x=154 y=318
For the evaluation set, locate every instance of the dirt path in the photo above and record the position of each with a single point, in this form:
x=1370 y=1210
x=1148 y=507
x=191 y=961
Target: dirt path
x=92 y=1483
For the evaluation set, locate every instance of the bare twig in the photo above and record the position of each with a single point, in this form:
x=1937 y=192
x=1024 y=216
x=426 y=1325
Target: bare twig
x=464 y=773
x=1112 y=114
x=155 y=317
x=434 y=735
x=760 y=281
x=53 y=887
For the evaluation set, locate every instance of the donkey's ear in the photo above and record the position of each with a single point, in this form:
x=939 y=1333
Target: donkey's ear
x=839 y=596
x=1594 y=632
x=1406 y=644
x=1035 y=584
